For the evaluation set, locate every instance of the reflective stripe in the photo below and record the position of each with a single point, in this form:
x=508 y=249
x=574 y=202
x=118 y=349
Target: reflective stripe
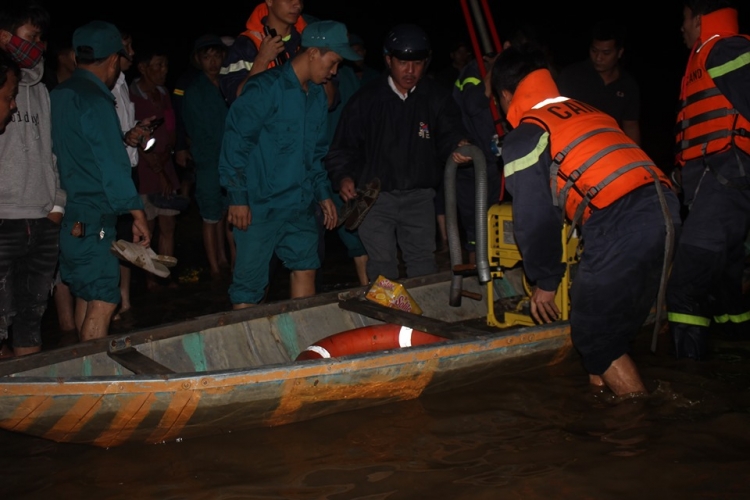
x=733 y=318
x=730 y=66
x=236 y=66
x=319 y=350
x=178 y=92
x=687 y=319
x=469 y=81
x=404 y=336
x=530 y=159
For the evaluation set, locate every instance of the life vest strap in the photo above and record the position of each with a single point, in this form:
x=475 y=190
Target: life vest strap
x=577 y=173
x=588 y=197
x=702 y=139
x=699 y=96
x=682 y=125
x=559 y=201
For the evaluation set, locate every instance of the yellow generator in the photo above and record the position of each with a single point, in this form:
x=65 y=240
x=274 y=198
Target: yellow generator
x=504 y=257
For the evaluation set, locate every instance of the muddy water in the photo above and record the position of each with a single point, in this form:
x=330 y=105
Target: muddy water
x=542 y=434
x=538 y=435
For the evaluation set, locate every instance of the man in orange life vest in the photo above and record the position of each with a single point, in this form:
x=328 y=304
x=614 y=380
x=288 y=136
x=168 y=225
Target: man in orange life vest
x=272 y=37
x=713 y=153
x=567 y=160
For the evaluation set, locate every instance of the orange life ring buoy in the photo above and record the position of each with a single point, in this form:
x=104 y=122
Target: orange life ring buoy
x=367 y=339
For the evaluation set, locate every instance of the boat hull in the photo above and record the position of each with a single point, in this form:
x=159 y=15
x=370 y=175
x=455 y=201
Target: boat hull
x=78 y=400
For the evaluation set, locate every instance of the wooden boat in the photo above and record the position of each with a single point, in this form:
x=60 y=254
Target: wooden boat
x=236 y=370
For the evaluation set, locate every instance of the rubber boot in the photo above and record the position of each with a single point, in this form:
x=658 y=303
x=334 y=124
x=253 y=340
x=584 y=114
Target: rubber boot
x=690 y=341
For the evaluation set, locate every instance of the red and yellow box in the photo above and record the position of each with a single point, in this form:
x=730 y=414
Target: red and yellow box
x=392 y=294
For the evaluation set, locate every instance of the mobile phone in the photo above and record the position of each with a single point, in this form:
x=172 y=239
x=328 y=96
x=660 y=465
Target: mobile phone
x=270 y=31
x=155 y=124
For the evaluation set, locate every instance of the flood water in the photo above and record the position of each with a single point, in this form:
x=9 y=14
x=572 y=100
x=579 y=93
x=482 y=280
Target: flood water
x=540 y=434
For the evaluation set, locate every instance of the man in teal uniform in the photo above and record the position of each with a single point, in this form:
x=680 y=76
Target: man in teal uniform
x=271 y=165
x=95 y=171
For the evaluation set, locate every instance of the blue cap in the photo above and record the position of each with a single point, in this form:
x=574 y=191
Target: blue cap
x=331 y=35
x=98 y=40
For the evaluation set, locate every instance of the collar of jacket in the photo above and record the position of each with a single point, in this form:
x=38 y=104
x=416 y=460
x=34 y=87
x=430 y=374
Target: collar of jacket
x=719 y=22
x=536 y=87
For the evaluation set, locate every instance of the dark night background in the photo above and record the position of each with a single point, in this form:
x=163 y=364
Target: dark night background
x=654 y=51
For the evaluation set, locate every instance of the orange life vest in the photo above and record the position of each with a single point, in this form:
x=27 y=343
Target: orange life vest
x=594 y=162
x=255 y=28
x=707 y=123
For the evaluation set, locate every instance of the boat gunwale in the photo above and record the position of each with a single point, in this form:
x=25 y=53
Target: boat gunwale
x=175 y=329
x=502 y=339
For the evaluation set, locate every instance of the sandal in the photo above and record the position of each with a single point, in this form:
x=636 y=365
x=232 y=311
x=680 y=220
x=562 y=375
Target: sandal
x=143 y=257
x=354 y=211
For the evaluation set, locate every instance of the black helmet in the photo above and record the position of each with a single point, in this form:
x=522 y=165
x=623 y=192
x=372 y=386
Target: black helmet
x=407 y=42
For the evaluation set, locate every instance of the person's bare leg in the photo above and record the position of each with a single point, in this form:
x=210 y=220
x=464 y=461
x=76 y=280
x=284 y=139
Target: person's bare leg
x=232 y=247
x=622 y=377
x=220 y=230
x=167 y=225
x=302 y=283
x=442 y=231
x=96 y=323
x=81 y=306
x=125 y=273
x=210 y=244
x=25 y=351
x=151 y=283
x=360 y=264
x=243 y=305
x=65 y=307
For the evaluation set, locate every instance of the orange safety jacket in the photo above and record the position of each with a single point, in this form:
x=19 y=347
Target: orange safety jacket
x=707 y=123
x=255 y=28
x=594 y=163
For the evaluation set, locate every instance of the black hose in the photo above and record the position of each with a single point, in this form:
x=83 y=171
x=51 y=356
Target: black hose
x=451 y=219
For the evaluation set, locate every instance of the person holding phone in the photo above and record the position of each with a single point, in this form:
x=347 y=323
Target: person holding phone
x=271 y=38
x=157 y=177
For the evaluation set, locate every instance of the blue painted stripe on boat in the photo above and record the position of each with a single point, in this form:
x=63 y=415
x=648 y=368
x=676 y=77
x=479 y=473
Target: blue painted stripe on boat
x=193 y=345
x=288 y=333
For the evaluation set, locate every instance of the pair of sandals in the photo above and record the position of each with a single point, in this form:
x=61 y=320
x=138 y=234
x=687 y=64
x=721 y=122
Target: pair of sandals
x=143 y=257
x=353 y=212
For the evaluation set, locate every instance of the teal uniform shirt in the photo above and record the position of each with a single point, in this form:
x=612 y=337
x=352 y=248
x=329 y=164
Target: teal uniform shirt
x=95 y=172
x=87 y=140
x=204 y=112
x=274 y=142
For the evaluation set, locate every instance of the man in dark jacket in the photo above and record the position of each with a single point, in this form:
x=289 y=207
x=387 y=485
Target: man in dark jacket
x=399 y=128
x=713 y=141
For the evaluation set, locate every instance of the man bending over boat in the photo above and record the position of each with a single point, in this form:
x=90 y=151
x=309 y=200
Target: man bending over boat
x=271 y=165
x=605 y=185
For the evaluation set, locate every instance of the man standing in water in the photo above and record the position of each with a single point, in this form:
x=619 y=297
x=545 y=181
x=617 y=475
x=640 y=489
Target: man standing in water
x=271 y=165
x=96 y=173
x=620 y=200
x=713 y=141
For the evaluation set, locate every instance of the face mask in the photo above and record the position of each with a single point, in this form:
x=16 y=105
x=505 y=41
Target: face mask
x=26 y=54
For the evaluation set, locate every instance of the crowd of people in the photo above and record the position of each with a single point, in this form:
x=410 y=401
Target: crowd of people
x=283 y=133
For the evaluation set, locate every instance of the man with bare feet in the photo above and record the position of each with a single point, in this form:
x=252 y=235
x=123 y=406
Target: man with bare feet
x=96 y=173
x=565 y=160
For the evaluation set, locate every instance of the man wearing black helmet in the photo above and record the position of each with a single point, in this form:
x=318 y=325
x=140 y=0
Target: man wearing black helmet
x=399 y=128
